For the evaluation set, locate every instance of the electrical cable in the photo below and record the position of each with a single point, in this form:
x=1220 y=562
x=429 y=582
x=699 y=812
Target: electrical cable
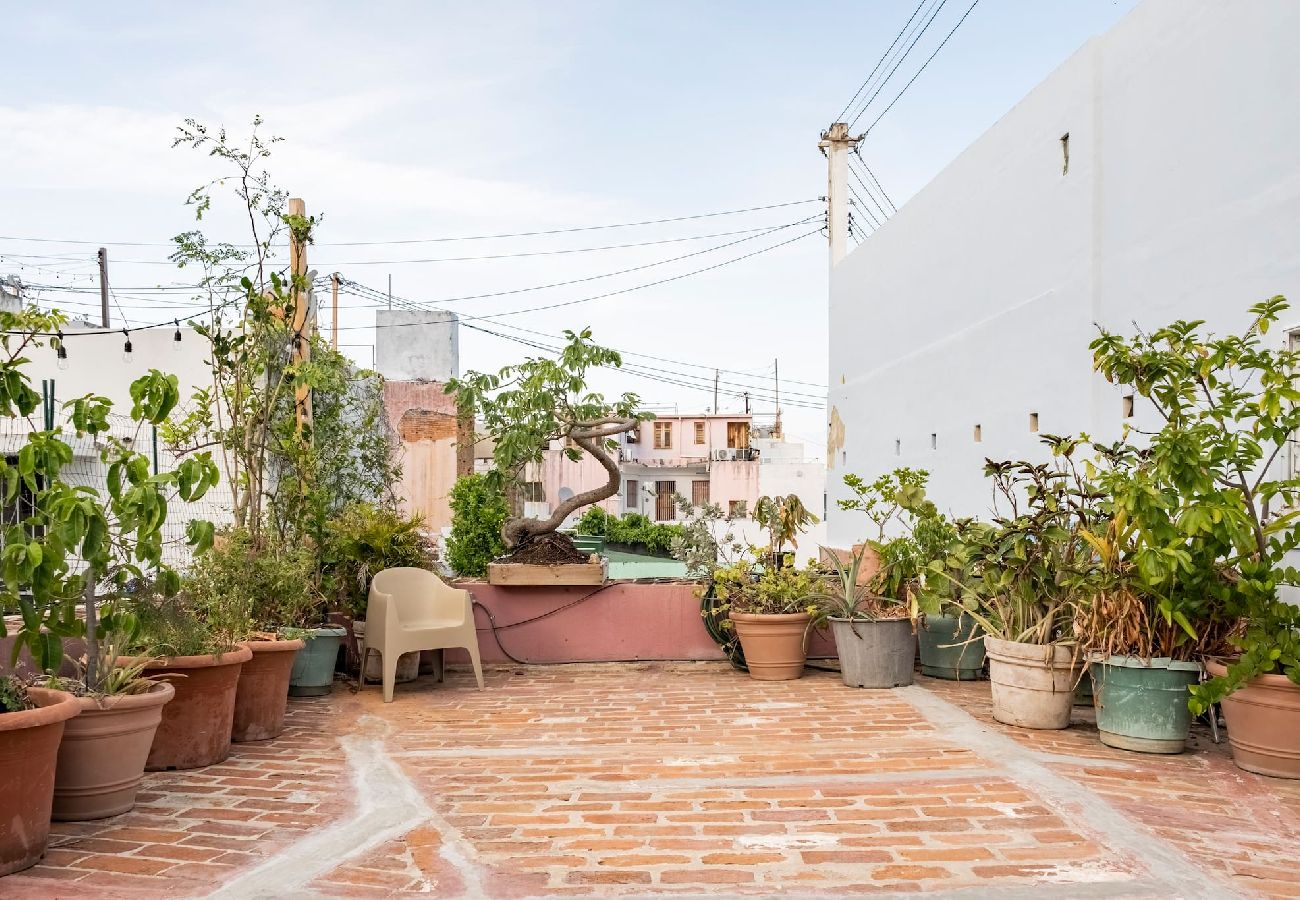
x=899 y=62
x=879 y=62
x=475 y=237
x=874 y=180
x=922 y=69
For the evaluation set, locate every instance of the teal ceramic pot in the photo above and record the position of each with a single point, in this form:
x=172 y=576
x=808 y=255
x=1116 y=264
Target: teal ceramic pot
x=313 y=667
x=947 y=648
x=1142 y=704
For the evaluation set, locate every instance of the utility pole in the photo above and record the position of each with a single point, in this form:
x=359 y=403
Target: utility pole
x=715 y=391
x=303 y=320
x=746 y=402
x=836 y=145
x=103 y=287
x=334 y=316
x=776 y=375
x=390 y=290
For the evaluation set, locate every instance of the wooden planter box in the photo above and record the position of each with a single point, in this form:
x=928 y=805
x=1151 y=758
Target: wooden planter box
x=517 y=574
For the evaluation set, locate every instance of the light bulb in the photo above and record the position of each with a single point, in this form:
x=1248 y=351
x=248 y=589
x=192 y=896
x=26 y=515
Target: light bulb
x=176 y=340
x=63 y=358
x=126 y=350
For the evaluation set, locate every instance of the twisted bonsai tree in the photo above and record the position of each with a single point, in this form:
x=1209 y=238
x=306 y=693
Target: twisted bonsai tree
x=526 y=406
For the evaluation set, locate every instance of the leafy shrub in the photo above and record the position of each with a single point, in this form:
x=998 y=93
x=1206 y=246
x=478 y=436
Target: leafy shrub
x=635 y=530
x=238 y=589
x=478 y=510
x=13 y=695
x=594 y=521
x=363 y=539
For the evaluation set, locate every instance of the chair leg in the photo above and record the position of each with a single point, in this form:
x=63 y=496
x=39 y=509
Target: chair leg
x=361 y=672
x=478 y=667
x=390 y=673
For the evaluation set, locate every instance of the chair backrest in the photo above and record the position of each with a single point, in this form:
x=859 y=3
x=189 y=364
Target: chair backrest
x=414 y=594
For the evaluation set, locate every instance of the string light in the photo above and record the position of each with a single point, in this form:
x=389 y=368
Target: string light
x=176 y=338
x=126 y=347
x=62 y=353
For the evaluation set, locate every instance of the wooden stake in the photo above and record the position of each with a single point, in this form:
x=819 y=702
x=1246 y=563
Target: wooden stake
x=302 y=320
x=334 y=317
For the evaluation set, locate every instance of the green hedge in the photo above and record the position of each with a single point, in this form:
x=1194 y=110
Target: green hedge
x=633 y=530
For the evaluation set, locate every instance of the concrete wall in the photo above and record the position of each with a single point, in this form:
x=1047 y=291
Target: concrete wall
x=974 y=305
x=424 y=419
x=416 y=345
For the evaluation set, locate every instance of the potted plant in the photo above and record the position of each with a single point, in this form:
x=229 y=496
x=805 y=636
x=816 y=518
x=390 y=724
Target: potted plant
x=31 y=726
x=526 y=408
x=770 y=610
x=274 y=583
x=784 y=519
x=70 y=543
x=873 y=633
x=200 y=654
x=951 y=641
x=1014 y=580
x=1218 y=519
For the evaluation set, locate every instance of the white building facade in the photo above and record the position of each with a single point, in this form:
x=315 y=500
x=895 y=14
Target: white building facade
x=1152 y=177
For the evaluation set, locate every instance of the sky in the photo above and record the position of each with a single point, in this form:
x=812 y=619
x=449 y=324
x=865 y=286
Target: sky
x=419 y=122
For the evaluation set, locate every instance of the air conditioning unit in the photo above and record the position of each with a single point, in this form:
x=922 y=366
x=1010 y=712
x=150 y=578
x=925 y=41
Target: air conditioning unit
x=719 y=455
x=633 y=437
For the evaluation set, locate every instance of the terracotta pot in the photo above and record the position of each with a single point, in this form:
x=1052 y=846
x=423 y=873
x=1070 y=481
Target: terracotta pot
x=1263 y=723
x=101 y=759
x=29 y=748
x=1032 y=684
x=775 y=645
x=263 y=690
x=196 y=725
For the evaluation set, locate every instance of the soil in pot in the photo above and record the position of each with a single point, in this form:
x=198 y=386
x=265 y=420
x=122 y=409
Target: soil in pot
x=775 y=645
x=1032 y=684
x=1263 y=724
x=263 y=691
x=408 y=664
x=313 y=667
x=29 y=748
x=875 y=654
x=196 y=724
x=1142 y=705
x=103 y=753
x=950 y=648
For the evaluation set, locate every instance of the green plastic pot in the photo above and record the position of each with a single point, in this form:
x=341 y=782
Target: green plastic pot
x=313 y=667
x=1083 y=690
x=1142 y=704
x=944 y=653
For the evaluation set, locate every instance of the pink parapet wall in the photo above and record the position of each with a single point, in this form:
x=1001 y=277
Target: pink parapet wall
x=625 y=620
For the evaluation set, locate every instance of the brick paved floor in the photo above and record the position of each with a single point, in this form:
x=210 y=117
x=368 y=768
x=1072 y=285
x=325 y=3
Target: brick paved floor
x=683 y=779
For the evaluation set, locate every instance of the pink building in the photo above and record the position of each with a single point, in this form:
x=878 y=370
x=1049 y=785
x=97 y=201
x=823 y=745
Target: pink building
x=702 y=457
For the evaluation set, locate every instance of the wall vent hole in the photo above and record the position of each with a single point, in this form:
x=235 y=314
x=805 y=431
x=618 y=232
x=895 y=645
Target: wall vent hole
x=1033 y=422
x=979 y=434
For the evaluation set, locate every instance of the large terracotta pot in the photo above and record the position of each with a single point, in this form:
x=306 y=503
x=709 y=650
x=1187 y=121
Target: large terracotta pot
x=196 y=725
x=263 y=690
x=29 y=747
x=1032 y=684
x=102 y=757
x=1263 y=723
x=775 y=645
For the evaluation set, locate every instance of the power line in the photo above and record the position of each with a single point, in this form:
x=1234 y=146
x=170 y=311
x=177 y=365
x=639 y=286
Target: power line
x=938 y=8
x=969 y=9
x=863 y=185
x=879 y=62
x=473 y=237
x=874 y=180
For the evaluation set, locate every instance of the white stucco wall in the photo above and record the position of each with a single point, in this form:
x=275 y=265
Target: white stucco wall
x=976 y=302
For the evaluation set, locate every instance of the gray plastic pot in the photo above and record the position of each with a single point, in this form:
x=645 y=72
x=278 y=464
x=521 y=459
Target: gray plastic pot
x=1032 y=684
x=875 y=654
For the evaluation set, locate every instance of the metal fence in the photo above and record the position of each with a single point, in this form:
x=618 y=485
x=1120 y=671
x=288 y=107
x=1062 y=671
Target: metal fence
x=87 y=469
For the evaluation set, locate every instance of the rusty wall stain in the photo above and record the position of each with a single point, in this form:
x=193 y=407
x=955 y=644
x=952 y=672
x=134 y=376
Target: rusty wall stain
x=834 y=437
x=426 y=425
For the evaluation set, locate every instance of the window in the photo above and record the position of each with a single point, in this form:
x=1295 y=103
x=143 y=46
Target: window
x=663 y=435
x=533 y=492
x=699 y=492
x=632 y=498
x=737 y=509
x=737 y=435
x=699 y=432
x=665 y=501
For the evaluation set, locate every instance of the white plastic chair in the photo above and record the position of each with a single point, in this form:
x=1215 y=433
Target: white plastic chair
x=413 y=609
